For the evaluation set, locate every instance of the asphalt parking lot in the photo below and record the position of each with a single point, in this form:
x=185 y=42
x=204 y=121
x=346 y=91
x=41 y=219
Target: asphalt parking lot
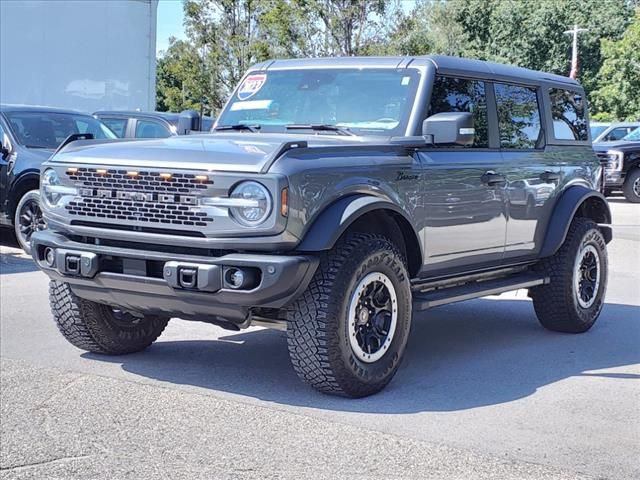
x=484 y=392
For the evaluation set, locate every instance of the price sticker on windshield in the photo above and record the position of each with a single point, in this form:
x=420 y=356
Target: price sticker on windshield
x=251 y=85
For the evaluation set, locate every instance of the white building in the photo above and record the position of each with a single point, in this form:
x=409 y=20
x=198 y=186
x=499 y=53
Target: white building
x=85 y=55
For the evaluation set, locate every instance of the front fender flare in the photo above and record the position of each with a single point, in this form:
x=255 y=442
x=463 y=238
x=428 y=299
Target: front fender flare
x=336 y=219
x=565 y=210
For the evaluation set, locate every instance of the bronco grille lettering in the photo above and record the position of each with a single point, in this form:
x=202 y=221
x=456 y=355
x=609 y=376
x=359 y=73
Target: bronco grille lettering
x=169 y=198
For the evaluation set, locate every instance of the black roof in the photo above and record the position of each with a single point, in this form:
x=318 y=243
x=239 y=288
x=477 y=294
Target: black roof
x=443 y=64
x=36 y=108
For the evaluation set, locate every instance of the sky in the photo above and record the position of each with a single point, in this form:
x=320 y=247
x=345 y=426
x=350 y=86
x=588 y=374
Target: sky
x=170 y=18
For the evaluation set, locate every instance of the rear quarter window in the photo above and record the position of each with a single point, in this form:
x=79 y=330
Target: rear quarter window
x=568 y=110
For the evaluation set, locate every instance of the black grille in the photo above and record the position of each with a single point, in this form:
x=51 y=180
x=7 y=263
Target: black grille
x=137 y=211
x=100 y=200
x=143 y=181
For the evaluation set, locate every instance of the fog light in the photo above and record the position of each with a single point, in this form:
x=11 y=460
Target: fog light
x=50 y=256
x=241 y=278
x=235 y=278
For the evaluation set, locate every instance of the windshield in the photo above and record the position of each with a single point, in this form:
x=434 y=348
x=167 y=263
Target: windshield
x=597 y=130
x=365 y=101
x=633 y=136
x=48 y=130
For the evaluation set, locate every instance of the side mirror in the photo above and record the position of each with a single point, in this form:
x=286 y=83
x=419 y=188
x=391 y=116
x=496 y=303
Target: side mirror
x=450 y=128
x=189 y=120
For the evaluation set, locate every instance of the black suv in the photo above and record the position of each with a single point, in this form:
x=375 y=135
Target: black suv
x=336 y=198
x=29 y=135
x=621 y=161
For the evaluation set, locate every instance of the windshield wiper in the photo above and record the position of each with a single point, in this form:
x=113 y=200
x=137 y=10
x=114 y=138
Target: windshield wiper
x=320 y=127
x=239 y=126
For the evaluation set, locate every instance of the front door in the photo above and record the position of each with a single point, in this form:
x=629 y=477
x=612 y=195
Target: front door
x=464 y=187
x=464 y=207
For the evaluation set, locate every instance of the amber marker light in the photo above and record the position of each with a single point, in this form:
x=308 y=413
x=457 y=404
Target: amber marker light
x=202 y=178
x=284 y=202
x=72 y=170
x=166 y=176
x=132 y=174
x=101 y=171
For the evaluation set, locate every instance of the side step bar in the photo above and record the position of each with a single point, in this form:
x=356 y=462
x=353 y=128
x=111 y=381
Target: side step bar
x=467 y=291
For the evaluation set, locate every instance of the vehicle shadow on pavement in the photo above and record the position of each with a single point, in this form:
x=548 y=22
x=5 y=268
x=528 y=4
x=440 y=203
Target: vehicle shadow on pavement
x=478 y=353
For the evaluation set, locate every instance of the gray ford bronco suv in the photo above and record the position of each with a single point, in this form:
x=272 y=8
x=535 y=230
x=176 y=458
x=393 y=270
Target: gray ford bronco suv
x=336 y=197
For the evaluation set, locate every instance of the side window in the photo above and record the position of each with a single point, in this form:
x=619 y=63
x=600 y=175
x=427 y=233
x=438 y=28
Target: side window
x=518 y=116
x=461 y=95
x=150 y=129
x=116 y=125
x=569 y=116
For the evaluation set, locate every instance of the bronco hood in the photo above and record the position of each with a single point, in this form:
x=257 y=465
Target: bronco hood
x=234 y=152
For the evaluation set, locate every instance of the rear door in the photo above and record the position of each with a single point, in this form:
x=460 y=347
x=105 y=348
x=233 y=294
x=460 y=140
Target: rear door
x=465 y=217
x=533 y=173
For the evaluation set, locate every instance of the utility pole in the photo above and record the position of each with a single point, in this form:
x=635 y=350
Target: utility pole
x=574 y=51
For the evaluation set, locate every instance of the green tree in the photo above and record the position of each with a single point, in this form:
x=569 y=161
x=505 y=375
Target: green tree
x=618 y=91
x=181 y=80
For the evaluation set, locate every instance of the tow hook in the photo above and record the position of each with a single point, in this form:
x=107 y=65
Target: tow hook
x=191 y=276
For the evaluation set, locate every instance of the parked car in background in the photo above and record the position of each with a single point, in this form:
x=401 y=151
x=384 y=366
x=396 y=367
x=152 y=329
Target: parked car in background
x=611 y=132
x=29 y=135
x=127 y=124
x=621 y=161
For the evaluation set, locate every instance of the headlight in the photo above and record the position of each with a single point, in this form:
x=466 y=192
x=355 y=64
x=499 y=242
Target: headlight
x=51 y=190
x=615 y=160
x=253 y=204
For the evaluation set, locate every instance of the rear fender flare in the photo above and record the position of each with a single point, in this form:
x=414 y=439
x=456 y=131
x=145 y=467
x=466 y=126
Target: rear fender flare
x=576 y=199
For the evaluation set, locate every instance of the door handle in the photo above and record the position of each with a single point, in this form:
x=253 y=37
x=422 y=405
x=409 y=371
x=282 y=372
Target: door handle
x=549 y=176
x=493 y=179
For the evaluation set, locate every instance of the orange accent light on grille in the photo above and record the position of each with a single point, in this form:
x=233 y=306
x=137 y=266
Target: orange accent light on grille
x=284 y=202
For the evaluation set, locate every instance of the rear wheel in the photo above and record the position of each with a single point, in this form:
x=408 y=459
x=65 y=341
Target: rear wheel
x=631 y=187
x=28 y=219
x=348 y=331
x=574 y=298
x=100 y=328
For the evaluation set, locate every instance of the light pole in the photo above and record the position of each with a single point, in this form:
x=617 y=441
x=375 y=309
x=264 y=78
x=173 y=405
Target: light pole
x=574 y=51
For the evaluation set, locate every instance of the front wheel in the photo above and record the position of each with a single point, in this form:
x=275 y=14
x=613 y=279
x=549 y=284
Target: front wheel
x=28 y=219
x=100 y=328
x=631 y=187
x=574 y=298
x=348 y=331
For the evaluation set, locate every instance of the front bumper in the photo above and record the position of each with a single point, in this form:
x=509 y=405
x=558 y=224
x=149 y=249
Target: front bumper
x=176 y=285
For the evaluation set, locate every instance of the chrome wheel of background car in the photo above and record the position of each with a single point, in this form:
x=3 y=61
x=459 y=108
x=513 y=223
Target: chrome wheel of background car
x=586 y=276
x=30 y=220
x=373 y=317
x=636 y=187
